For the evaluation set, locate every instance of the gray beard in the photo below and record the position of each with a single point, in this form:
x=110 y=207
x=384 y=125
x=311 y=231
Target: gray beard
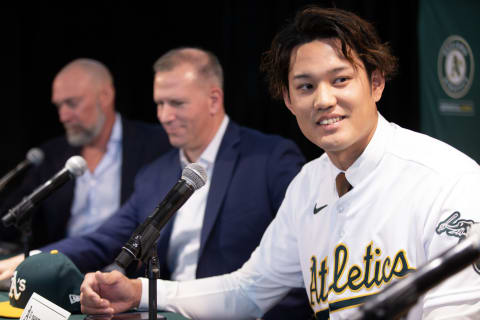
x=86 y=135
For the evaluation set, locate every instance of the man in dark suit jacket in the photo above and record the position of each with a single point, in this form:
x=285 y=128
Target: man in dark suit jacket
x=141 y=144
x=84 y=95
x=248 y=173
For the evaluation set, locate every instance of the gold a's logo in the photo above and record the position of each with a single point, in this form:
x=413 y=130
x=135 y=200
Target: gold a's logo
x=14 y=293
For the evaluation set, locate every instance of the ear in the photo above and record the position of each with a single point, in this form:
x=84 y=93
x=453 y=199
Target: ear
x=216 y=100
x=378 y=84
x=288 y=102
x=106 y=96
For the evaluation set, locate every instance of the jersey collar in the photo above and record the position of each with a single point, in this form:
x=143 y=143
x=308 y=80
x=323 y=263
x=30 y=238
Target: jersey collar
x=373 y=153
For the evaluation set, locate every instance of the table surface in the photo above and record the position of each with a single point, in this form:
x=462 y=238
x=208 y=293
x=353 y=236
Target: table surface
x=168 y=315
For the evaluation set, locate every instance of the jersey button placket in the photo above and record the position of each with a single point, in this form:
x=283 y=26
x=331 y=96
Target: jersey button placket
x=342 y=210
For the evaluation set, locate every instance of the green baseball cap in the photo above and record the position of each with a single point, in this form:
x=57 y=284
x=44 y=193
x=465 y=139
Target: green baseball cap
x=51 y=275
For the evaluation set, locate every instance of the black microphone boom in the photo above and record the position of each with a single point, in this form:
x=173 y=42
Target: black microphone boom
x=74 y=167
x=399 y=297
x=142 y=239
x=34 y=157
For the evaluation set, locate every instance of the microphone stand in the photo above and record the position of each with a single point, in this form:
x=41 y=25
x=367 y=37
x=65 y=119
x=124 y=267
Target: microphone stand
x=26 y=235
x=153 y=273
x=150 y=259
x=23 y=223
x=142 y=245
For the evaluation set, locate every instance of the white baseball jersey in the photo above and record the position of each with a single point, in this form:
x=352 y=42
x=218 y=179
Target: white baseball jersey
x=413 y=197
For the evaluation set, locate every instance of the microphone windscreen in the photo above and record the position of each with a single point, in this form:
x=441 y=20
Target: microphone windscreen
x=76 y=165
x=35 y=156
x=194 y=175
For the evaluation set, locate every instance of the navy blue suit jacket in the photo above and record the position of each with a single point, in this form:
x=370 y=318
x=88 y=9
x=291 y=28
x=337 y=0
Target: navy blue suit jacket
x=141 y=144
x=251 y=173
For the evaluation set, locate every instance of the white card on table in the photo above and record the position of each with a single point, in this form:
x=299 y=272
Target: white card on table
x=39 y=308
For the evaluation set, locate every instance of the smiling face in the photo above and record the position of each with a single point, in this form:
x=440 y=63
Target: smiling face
x=333 y=101
x=188 y=107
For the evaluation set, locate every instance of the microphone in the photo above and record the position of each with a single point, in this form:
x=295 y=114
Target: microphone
x=74 y=167
x=137 y=247
x=399 y=297
x=34 y=157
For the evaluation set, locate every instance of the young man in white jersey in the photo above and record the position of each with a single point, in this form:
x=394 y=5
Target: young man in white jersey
x=379 y=203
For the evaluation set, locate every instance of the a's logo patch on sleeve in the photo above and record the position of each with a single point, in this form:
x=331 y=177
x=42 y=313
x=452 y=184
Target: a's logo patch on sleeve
x=454 y=226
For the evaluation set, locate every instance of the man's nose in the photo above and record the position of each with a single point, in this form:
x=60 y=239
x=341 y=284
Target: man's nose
x=324 y=97
x=165 y=113
x=64 y=113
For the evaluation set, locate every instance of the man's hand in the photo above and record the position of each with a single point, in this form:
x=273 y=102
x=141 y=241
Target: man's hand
x=8 y=266
x=109 y=293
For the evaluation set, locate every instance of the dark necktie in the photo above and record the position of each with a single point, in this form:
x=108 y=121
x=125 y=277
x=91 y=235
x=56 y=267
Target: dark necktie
x=343 y=186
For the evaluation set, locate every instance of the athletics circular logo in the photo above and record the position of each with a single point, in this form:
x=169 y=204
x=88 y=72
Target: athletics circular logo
x=455 y=67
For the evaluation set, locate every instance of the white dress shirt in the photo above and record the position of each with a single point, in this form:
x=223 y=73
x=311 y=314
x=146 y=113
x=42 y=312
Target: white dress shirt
x=96 y=194
x=185 y=238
